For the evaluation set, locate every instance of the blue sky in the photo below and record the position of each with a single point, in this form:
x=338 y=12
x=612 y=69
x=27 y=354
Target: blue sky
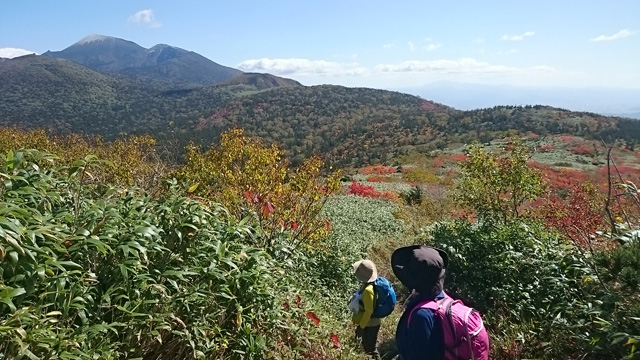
x=370 y=43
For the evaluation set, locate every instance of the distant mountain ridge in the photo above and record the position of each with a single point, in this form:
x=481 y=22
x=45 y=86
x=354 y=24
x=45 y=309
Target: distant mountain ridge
x=161 y=62
x=346 y=126
x=602 y=100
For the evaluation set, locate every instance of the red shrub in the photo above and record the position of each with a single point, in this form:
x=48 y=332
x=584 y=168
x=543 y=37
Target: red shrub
x=582 y=150
x=460 y=157
x=578 y=215
x=547 y=148
x=560 y=179
x=357 y=188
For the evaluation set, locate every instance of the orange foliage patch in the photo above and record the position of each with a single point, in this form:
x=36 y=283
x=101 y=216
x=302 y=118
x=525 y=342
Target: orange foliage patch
x=378 y=169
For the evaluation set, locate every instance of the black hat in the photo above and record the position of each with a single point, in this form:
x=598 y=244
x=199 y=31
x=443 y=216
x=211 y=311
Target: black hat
x=420 y=267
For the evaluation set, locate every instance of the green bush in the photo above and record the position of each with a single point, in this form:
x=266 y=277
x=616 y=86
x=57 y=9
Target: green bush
x=97 y=271
x=620 y=268
x=537 y=293
x=413 y=196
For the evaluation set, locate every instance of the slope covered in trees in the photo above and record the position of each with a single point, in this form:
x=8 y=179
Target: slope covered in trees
x=348 y=126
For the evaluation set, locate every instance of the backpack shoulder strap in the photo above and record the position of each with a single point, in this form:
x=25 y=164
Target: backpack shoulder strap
x=437 y=306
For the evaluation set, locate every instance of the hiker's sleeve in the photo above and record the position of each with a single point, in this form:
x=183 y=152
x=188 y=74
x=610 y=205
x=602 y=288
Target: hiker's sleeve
x=367 y=300
x=419 y=346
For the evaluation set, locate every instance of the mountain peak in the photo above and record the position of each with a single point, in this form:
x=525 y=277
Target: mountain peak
x=161 y=62
x=93 y=38
x=163 y=46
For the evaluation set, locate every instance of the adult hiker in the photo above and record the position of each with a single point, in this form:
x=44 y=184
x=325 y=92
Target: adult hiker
x=363 y=305
x=433 y=325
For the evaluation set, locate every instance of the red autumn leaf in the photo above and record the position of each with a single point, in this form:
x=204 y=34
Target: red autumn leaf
x=252 y=198
x=335 y=341
x=313 y=317
x=294 y=226
x=327 y=224
x=285 y=305
x=267 y=208
x=298 y=301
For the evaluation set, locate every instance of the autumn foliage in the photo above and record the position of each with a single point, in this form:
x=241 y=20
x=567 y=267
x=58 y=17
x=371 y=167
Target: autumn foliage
x=578 y=215
x=129 y=160
x=244 y=174
x=378 y=169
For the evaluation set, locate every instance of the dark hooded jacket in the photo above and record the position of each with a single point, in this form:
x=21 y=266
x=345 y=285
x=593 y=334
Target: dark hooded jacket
x=422 y=269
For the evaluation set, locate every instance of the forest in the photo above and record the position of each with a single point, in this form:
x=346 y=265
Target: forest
x=347 y=127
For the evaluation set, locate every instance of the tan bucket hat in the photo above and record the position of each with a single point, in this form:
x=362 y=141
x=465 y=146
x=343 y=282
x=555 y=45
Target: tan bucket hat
x=365 y=271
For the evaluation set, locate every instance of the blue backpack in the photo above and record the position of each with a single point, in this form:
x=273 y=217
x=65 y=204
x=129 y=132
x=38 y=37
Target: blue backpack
x=385 y=297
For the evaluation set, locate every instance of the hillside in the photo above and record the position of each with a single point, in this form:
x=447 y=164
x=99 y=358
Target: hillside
x=356 y=126
x=60 y=95
x=262 y=81
x=160 y=62
x=347 y=126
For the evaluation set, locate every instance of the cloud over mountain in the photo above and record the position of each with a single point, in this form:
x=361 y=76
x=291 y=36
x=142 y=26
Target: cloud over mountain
x=145 y=18
x=299 y=66
x=10 y=53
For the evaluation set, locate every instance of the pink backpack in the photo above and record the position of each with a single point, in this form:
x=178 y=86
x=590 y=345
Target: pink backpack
x=464 y=334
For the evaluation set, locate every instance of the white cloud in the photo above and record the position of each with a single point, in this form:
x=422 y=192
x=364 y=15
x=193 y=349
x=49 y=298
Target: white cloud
x=464 y=65
x=433 y=46
x=387 y=46
x=619 y=35
x=479 y=41
x=408 y=73
x=412 y=47
x=10 y=53
x=145 y=18
x=323 y=68
x=517 y=37
x=300 y=67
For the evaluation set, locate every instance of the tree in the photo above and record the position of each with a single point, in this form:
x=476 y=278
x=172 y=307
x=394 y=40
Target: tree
x=497 y=186
x=244 y=174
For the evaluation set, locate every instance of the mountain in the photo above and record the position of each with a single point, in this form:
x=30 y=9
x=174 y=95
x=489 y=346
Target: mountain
x=610 y=101
x=59 y=94
x=160 y=62
x=262 y=81
x=346 y=126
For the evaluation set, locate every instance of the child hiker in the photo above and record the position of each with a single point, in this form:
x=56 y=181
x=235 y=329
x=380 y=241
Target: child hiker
x=367 y=326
